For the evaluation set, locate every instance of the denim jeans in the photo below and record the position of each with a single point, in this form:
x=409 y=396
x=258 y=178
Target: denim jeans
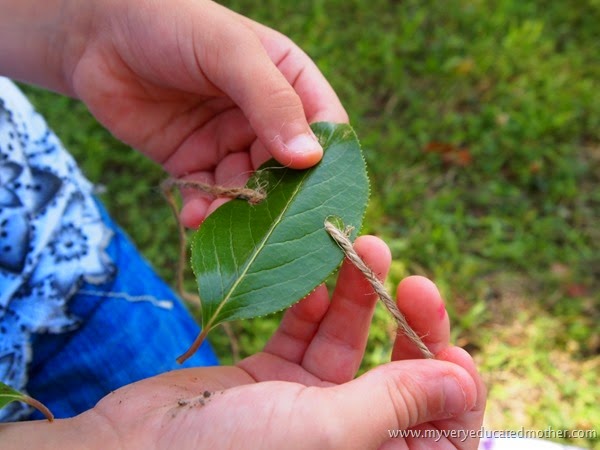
x=132 y=327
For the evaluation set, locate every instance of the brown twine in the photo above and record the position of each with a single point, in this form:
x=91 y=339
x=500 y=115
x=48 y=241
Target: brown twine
x=345 y=244
x=252 y=196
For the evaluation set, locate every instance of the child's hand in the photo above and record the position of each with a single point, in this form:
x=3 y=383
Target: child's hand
x=205 y=92
x=300 y=392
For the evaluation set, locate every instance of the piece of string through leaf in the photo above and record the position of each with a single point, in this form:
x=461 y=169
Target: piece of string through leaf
x=342 y=240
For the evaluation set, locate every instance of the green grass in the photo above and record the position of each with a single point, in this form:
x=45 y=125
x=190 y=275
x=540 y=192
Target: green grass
x=480 y=122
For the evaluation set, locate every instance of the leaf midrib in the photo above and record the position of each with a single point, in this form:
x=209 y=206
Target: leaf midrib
x=258 y=250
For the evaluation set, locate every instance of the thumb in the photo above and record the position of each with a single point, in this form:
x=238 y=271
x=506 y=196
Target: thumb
x=401 y=395
x=275 y=111
x=272 y=106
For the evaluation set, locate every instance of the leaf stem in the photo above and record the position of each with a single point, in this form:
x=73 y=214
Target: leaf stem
x=195 y=346
x=39 y=406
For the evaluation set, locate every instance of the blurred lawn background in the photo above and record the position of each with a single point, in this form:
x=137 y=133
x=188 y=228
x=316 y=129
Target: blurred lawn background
x=480 y=122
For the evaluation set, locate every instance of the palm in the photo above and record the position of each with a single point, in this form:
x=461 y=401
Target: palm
x=302 y=381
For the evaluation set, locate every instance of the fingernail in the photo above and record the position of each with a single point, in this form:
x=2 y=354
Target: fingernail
x=455 y=400
x=304 y=144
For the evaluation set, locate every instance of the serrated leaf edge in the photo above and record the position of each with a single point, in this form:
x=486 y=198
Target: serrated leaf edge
x=323 y=142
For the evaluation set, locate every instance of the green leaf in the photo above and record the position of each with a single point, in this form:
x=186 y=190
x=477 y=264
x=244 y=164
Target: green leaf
x=8 y=395
x=251 y=260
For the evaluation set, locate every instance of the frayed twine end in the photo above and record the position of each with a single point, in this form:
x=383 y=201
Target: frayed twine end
x=252 y=196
